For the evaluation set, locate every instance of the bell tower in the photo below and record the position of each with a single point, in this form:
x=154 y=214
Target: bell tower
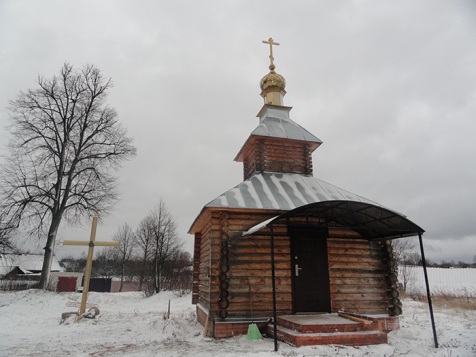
x=278 y=144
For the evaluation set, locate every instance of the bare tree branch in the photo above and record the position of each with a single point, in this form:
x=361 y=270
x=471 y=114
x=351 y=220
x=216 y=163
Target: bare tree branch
x=66 y=144
x=158 y=241
x=124 y=235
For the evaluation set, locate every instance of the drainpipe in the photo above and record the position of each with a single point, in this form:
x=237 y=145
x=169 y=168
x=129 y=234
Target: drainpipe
x=428 y=289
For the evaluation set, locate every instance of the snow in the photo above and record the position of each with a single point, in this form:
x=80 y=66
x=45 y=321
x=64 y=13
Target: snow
x=451 y=281
x=258 y=227
x=26 y=262
x=133 y=325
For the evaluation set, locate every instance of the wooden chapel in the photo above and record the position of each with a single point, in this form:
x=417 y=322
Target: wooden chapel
x=284 y=243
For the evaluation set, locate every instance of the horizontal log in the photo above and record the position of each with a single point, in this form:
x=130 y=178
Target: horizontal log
x=354 y=251
x=264 y=258
x=259 y=239
x=351 y=244
x=253 y=265
x=361 y=306
x=356 y=265
x=380 y=281
x=258 y=273
x=356 y=289
x=348 y=239
x=343 y=233
x=245 y=310
x=243 y=290
x=254 y=281
x=373 y=309
x=204 y=281
x=266 y=250
x=356 y=273
x=357 y=298
x=259 y=314
x=362 y=260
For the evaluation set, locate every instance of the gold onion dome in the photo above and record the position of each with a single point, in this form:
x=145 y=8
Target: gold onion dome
x=272 y=85
x=273 y=79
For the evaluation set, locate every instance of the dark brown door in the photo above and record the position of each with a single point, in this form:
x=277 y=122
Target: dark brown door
x=310 y=271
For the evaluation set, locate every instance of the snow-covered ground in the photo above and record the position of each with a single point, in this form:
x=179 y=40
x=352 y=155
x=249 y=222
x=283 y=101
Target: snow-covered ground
x=132 y=325
x=450 y=281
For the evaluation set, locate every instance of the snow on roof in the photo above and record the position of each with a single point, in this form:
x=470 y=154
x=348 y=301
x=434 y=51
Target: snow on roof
x=25 y=262
x=280 y=191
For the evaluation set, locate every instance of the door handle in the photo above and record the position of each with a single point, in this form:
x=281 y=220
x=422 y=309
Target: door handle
x=296 y=269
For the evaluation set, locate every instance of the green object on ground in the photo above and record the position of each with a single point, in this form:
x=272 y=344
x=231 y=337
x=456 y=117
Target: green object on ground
x=253 y=332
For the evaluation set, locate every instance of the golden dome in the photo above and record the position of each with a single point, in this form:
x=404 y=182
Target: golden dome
x=273 y=79
x=273 y=84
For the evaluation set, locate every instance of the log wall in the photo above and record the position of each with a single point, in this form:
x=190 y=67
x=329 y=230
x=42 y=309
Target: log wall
x=196 y=267
x=235 y=271
x=250 y=274
x=204 y=273
x=277 y=155
x=358 y=272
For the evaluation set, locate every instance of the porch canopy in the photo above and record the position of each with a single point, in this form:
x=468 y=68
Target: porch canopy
x=371 y=221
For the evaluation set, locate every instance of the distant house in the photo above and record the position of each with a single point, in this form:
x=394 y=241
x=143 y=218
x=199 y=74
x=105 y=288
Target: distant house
x=12 y=265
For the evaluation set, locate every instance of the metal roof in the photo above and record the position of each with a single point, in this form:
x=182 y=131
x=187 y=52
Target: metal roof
x=372 y=222
x=26 y=262
x=275 y=122
x=282 y=191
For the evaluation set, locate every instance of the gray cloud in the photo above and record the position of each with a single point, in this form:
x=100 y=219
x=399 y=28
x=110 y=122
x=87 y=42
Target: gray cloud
x=389 y=88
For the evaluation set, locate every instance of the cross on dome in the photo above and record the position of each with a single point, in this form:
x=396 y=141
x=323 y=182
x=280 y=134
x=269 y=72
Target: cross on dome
x=272 y=85
x=271 y=43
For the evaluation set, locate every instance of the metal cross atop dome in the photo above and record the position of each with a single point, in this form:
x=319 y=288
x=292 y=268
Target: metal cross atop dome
x=270 y=42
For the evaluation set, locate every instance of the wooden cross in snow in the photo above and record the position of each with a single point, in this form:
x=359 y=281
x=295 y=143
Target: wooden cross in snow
x=89 y=263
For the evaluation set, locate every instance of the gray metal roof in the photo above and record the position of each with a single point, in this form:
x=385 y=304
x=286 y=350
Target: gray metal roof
x=282 y=191
x=275 y=122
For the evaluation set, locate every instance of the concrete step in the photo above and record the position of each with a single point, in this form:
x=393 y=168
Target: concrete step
x=355 y=338
x=325 y=323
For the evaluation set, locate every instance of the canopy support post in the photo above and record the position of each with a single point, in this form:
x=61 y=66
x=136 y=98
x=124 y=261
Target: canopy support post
x=428 y=289
x=273 y=280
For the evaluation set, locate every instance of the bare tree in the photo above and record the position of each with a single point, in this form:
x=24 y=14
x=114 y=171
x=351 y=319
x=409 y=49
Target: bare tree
x=106 y=263
x=144 y=244
x=178 y=271
x=158 y=240
x=66 y=143
x=6 y=241
x=127 y=238
x=405 y=257
x=72 y=264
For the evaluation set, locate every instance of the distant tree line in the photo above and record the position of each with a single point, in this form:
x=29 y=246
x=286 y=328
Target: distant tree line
x=150 y=255
x=405 y=256
x=447 y=264
x=404 y=253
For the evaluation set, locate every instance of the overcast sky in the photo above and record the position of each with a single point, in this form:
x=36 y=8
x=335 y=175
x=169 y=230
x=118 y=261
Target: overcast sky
x=389 y=87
